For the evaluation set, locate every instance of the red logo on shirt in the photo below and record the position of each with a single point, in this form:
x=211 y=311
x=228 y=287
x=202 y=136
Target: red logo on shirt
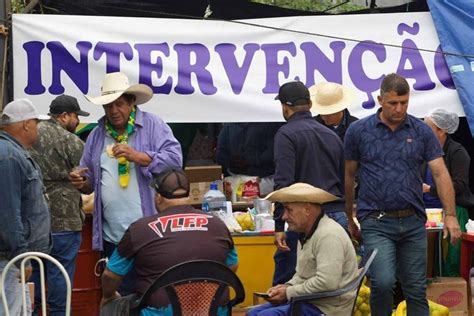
x=180 y=223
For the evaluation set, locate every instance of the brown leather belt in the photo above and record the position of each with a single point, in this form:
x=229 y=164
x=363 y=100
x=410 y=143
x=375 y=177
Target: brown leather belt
x=394 y=214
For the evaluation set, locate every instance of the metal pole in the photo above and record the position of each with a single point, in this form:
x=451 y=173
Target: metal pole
x=4 y=11
x=372 y=5
x=30 y=6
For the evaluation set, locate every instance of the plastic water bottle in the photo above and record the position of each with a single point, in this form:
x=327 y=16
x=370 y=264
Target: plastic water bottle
x=214 y=200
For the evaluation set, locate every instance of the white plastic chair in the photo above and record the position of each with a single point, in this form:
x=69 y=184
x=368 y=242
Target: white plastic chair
x=35 y=256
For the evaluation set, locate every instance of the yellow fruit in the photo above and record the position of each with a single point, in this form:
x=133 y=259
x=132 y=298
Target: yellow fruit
x=359 y=300
x=364 y=291
x=401 y=309
x=357 y=313
x=240 y=220
x=438 y=309
x=435 y=309
x=245 y=221
x=249 y=222
x=364 y=308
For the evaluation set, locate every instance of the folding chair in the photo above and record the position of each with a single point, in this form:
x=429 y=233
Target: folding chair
x=296 y=302
x=196 y=287
x=35 y=256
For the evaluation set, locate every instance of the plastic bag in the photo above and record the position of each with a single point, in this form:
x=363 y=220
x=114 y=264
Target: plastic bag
x=245 y=220
x=470 y=226
x=241 y=188
x=435 y=309
x=229 y=221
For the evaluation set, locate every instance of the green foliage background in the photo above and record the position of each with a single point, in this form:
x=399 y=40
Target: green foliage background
x=313 y=5
x=17 y=5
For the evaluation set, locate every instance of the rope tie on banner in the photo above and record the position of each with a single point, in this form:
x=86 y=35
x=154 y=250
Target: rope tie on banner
x=207 y=17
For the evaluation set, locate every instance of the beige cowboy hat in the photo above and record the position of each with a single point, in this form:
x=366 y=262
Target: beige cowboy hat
x=330 y=98
x=115 y=84
x=301 y=192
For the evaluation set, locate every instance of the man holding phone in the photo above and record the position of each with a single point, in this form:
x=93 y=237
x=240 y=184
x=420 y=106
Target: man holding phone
x=326 y=260
x=56 y=151
x=121 y=154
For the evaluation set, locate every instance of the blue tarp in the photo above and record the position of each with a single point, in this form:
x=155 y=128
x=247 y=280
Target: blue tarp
x=454 y=22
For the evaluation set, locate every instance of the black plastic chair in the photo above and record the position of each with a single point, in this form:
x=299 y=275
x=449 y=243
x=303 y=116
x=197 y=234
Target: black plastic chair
x=196 y=287
x=364 y=264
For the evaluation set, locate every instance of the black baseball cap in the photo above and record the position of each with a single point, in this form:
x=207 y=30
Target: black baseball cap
x=293 y=93
x=166 y=183
x=66 y=103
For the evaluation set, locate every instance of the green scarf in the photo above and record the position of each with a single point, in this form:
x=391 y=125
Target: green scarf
x=123 y=163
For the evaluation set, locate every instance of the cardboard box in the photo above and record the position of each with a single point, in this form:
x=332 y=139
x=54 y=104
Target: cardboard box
x=458 y=313
x=203 y=173
x=450 y=292
x=198 y=189
x=200 y=178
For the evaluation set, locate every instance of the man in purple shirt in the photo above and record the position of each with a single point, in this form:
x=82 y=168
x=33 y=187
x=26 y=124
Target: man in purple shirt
x=120 y=156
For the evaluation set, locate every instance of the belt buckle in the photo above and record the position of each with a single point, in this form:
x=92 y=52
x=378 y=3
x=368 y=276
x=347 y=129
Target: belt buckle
x=381 y=214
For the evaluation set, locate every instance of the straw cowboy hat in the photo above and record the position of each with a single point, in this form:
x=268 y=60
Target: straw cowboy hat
x=115 y=84
x=330 y=98
x=301 y=192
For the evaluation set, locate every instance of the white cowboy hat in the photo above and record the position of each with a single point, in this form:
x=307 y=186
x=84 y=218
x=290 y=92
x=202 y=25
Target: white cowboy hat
x=329 y=98
x=115 y=84
x=301 y=192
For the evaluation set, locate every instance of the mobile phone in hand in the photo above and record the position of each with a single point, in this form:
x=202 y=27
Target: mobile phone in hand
x=262 y=294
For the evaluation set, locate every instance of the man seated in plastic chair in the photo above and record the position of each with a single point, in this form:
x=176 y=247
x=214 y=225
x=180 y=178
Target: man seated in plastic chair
x=178 y=233
x=326 y=257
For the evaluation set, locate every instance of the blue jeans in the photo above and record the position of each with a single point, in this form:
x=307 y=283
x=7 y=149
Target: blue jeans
x=268 y=309
x=285 y=261
x=340 y=218
x=168 y=311
x=128 y=282
x=13 y=292
x=65 y=248
x=402 y=253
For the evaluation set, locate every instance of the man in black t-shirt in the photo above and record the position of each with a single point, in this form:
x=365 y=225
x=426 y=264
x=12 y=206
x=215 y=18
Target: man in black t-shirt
x=178 y=233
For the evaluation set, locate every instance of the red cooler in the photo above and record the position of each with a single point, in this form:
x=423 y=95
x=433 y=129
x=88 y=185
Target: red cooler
x=86 y=292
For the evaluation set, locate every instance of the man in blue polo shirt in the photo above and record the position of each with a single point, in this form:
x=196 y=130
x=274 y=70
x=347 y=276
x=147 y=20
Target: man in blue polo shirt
x=387 y=149
x=304 y=151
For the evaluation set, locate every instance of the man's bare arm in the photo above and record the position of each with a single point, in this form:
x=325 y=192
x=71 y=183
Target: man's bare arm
x=350 y=167
x=110 y=283
x=445 y=189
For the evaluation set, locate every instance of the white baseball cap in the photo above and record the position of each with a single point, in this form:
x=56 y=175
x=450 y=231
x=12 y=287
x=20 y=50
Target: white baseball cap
x=20 y=110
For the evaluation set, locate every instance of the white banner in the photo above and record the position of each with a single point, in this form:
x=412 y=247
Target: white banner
x=222 y=71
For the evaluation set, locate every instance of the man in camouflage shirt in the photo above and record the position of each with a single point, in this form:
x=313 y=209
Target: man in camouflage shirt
x=57 y=151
